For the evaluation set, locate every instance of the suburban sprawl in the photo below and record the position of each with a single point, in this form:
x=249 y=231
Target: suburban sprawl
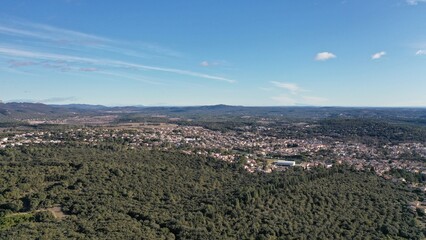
x=254 y=147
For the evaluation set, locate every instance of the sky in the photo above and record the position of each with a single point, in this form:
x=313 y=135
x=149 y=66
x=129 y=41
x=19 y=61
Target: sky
x=240 y=52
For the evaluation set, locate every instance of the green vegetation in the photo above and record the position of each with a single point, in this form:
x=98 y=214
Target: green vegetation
x=367 y=131
x=110 y=192
x=408 y=176
x=6 y=222
x=370 y=131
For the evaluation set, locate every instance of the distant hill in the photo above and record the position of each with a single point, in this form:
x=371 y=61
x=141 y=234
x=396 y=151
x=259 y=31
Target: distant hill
x=22 y=111
x=81 y=106
x=26 y=109
x=19 y=111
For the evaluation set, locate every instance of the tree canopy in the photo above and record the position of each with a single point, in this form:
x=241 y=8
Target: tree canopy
x=108 y=192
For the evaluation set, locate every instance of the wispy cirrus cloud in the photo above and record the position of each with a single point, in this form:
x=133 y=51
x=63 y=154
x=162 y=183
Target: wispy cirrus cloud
x=13 y=52
x=378 y=55
x=17 y=64
x=86 y=69
x=19 y=32
x=41 y=32
x=21 y=53
x=415 y=2
x=58 y=65
x=292 y=87
x=82 y=52
x=65 y=38
x=69 y=39
x=324 y=56
x=296 y=97
x=206 y=63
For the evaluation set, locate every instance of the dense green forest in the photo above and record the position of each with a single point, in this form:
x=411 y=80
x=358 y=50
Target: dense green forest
x=108 y=192
x=366 y=131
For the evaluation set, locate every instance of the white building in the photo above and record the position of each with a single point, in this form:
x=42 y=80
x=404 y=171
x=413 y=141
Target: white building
x=284 y=163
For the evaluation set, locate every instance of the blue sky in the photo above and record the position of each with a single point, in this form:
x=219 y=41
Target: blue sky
x=255 y=53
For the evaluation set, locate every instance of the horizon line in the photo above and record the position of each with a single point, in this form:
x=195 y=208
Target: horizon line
x=209 y=105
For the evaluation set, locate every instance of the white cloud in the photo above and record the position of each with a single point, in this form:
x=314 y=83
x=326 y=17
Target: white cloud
x=205 y=64
x=324 y=56
x=378 y=55
x=293 y=88
x=421 y=52
x=415 y=2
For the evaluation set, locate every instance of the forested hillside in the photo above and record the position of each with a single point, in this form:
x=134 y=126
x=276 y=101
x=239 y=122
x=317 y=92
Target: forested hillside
x=111 y=193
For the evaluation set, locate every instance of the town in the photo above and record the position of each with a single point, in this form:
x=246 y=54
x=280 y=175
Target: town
x=254 y=147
